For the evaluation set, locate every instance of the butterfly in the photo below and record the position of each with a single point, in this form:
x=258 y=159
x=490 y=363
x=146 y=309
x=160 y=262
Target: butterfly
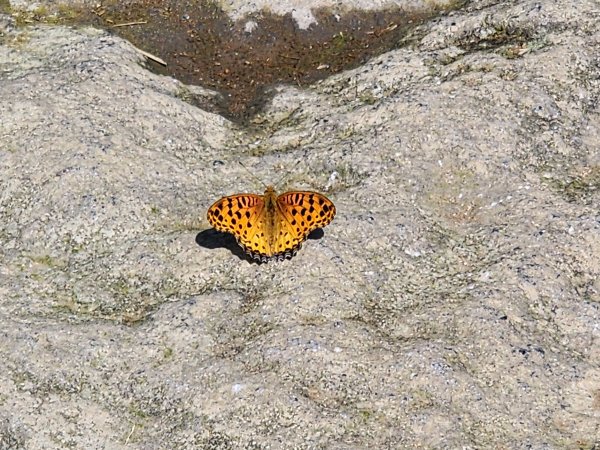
x=270 y=226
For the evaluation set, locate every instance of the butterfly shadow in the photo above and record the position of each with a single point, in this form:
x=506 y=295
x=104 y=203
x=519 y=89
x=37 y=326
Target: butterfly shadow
x=212 y=239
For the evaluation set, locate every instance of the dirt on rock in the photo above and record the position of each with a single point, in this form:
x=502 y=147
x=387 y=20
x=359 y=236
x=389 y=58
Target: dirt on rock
x=199 y=44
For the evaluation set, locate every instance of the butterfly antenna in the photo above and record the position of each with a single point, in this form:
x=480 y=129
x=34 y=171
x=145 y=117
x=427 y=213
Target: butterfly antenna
x=288 y=172
x=252 y=175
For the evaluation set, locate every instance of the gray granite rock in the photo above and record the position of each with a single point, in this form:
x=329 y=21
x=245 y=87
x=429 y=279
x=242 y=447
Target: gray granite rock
x=453 y=302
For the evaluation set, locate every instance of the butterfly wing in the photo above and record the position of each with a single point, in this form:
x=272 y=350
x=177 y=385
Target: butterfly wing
x=239 y=215
x=302 y=212
x=276 y=231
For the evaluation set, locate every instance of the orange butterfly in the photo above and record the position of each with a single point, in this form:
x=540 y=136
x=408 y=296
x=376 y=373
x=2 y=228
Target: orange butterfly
x=270 y=226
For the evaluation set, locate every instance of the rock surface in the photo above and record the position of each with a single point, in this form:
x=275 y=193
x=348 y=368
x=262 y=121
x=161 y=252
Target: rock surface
x=303 y=11
x=453 y=302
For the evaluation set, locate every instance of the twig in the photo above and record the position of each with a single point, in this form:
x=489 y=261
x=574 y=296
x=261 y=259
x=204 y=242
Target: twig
x=151 y=56
x=130 y=433
x=126 y=24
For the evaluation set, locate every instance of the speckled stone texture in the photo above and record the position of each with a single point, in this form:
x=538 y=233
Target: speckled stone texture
x=452 y=303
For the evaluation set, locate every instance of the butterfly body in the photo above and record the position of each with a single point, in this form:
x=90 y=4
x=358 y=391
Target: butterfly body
x=270 y=226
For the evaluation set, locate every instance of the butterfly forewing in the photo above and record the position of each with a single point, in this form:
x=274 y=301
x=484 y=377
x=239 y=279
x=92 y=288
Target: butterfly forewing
x=236 y=214
x=305 y=211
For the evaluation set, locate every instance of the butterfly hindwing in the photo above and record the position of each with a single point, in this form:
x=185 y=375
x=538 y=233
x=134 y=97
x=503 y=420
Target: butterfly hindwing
x=288 y=242
x=256 y=243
